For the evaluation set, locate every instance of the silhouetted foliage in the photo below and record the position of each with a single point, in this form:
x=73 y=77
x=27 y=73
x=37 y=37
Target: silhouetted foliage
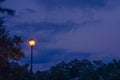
x=10 y=47
x=59 y=72
x=111 y=71
x=42 y=75
x=6 y=10
x=88 y=74
x=74 y=67
x=19 y=72
x=81 y=70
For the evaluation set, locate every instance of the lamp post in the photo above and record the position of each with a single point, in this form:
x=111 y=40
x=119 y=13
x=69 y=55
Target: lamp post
x=32 y=44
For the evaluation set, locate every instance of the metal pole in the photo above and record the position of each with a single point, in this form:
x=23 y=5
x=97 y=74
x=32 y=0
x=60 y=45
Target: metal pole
x=31 y=66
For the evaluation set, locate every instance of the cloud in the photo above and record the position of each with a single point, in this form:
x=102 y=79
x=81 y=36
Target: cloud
x=101 y=38
x=74 y=3
x=39 y=13
x=45 y=58
x=92 y=23
x=47 y=26
x=57 y=55
x=43 y=31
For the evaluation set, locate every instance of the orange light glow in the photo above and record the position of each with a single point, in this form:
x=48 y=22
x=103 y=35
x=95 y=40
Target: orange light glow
x=31 y=42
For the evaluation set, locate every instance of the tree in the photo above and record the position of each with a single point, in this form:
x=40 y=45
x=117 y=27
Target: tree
x=19 y=72
x=76 y=66
x=59 y=72
x=88 y=74
x=111 y=71
x=42 y=75
x=10 y=47
x=99 y=66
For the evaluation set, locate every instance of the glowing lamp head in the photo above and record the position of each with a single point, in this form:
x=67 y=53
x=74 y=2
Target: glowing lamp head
x=32 y=42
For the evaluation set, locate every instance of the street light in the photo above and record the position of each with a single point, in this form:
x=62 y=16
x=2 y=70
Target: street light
x=32 y=44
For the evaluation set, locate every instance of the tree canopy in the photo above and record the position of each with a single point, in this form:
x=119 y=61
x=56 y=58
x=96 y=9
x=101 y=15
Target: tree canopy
x=81 y=70
x=10 y=46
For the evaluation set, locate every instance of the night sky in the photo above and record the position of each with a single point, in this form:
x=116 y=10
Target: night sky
x=66 y=29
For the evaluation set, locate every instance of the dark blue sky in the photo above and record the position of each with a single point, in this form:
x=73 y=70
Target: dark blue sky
x=67 y=29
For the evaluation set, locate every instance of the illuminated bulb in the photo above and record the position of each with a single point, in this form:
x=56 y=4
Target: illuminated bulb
x=31 y=42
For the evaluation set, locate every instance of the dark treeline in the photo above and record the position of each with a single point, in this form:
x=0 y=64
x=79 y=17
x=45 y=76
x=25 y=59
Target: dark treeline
x=81 y=70
x=72 y=70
